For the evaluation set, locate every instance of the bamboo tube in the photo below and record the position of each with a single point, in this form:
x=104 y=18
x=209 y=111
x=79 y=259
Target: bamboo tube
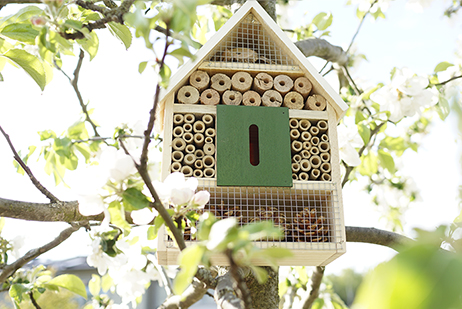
x=199 y=127
x=189 y=159
x=316 y=102
x=315 y=141
x=322 y=126
x=305 y=125
x=295 y=167
x=220 y=83
x=199 y=80
x=296 y=146
x=315 y=161
x=177 y=156
x=303 y=176
x=303 y=86
x=199 y=139
x=325 y=167
x=198 y=164
x=294 y=134
x=314 y=174
x=271 y=98
x=294 y=176
x=210 y=132
x=325 y=157
x=208 y=140
x=188 y=95
x=189 y=118
x=314 y=151
x=283 y=83
x=210 y=97
x=208 y=161
x=305 y=165
x=178 y=144
x=324 y=146
x=306 y=145
x=208 y=120
x=305 y=154
x=187 y=171
x=178 y=119
x=314 y=130
x=176 y=167
x=293 y=100
x=305 y=136
x=324 y=138
x=293 y=123
x=209 y=149
x=190 y=148
x=325 y=177
x=188 y=137
x=231 y=97
x=187 y=127
x=262 y=82
x=296 y=158
x=251 y=98
x=199 y=153
x=198 y=173
x=241 y=81
x=178 y=132
x=209 y=172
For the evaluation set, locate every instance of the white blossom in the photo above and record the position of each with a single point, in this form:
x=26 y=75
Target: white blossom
x=101 y=260
x=175 y=190
x=365 y=5
x=118 y=165
x=348 y=140
x=200 y=199
x=143 y=216
x=406 y=95
x=17 y=243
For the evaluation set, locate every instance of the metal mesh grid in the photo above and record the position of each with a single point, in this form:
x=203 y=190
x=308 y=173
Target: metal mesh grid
x=249 y=46
x=308 y=213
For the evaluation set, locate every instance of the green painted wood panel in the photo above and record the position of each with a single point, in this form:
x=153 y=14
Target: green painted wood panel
x=233 y=147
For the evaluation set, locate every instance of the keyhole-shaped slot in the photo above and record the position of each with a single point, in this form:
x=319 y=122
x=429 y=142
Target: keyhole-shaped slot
x=254 y=145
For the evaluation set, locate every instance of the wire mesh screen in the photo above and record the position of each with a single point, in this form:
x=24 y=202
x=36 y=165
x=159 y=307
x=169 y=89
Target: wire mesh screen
x=308 y=214
x=249 y=46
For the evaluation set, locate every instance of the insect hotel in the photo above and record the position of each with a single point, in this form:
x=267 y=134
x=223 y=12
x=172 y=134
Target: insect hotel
x=255 y=123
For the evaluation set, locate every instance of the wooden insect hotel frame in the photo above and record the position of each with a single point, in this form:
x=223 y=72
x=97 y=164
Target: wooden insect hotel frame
x=252 y=119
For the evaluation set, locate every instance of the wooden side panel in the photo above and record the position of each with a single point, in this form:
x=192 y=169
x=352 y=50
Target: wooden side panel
x=167 y=143
x=235 y=166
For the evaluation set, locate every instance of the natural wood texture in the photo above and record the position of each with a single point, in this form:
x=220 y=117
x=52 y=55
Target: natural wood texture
x=325 y=167
x=271 y=98
x=220 y=82
x=325 y=157
x=187 y=128
x=283 y=84
x=305 y=114
x=189 y=118
x=305 y=136
x=303 y=176
x=296 y=158
x=178 y=144
x=210 y=132
x=246 y=55
x=178 y=131
x=198 y=173
x=197 y=108
x=251 y=98
x=230 y=68
x=210 y=97
x=208 y=161
x=167 y=142
x=190 y=148
x=241 y=81
x=199 y=127
x=324 y=138
x=295 y=167
x=208 y=120
x=198 y=164
x=188 y=137
x=209 y=172
x=314 y=150
x=187 y=171
x=306 y=154
x=293 y=123
x=315 y=161
x=178 y=119
x=322 y=126
x=199 y=153
x=262 y=82
x=303 y=86
x=293 y=100
x=231 y=97
x=314 y=174
x=296 y=146
x=199 y=80
x=177 y=156
x=209 y=149
x=316 y=102
x=176 y=167
x=305 y=165
x=189 y=159
x=314 y=141
x=326 y=177
x=314 y=131
x=324 y=146
x=199 y=139
x=188 y=95
x=294 y=134
x=305 y=125
x=306 y=145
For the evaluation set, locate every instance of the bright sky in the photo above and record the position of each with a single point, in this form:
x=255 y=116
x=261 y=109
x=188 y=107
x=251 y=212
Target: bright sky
x=118 y=93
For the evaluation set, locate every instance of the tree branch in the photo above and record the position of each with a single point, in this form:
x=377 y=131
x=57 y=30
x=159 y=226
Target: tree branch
x=225 y=296
x=34 y=180
x=33 y=301
x=322 y=49
x=192 y=295
x=449 y=80
x=309 y=297
x=375 y=236
x=9 y=270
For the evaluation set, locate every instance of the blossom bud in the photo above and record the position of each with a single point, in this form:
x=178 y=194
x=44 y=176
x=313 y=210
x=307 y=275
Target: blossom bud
x=200 y=199
x=38 y=21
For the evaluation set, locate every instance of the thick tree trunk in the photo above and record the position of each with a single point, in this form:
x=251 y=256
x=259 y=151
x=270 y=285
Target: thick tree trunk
x=264 y=296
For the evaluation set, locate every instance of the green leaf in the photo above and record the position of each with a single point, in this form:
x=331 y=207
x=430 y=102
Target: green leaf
x=322 y=20
x=20 y=32
x=71 y=283
x=134 y=199
x=221 y=233
x=90 y=44
x=121 y=32
x=23 y=14
x=44 y=135
x=165 y=74
x=260 y=273
x=84 y=150
x=154 y=230
x=94 y=285
x=180 y=53
x=443 y=107
x=106 y=283
x=189 y=260
x=442 y=66
x=318 y=304
x=386 y=160
x=364 y=132
x=118 y=216
x=369 y=165
x=73 y=24
x=17 y=291
x=28 y=63
x=142 y=66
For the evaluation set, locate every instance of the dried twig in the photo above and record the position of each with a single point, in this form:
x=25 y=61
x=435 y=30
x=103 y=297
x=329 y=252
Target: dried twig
x=34 y=180
x=34 y=302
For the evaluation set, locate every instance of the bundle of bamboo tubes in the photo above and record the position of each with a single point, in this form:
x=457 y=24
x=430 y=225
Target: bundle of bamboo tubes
x=193 y=145
x=243 y=88
x=310 y=150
